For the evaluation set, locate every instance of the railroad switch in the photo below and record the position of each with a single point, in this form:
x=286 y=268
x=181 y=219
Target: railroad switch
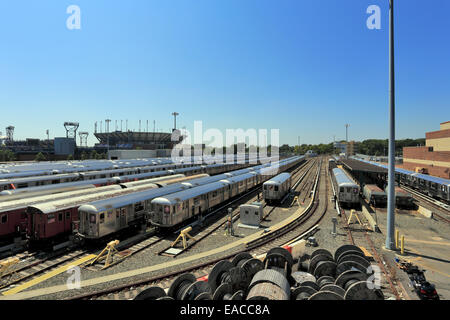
x=107 y=254
x=295 y=200
x=183 y=234
x=7 y=268
x=355 y=214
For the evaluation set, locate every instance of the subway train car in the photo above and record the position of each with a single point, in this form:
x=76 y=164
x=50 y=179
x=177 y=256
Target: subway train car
x=174 y=208
x=347 y=188
x=101 y=218
x=276 y=188
x=435 y=187
x=374 y=195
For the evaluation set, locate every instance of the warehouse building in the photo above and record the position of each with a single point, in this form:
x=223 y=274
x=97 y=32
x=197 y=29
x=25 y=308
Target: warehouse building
x=434 y=157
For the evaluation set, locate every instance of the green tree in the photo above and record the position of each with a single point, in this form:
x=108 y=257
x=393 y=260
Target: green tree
x=70 y=157
x=40 y=157
x=84 y=155
x=93 y=155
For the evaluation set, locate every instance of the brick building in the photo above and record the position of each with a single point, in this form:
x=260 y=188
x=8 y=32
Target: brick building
x=434 y=157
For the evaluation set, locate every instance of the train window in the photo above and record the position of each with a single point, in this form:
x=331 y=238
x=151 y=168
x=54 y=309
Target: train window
x=138 y=207
x=60 y=216
x=50 y=218
x=102 y=217
x=4 y=218
x=166 y=209
x=21 y=185
x=109 y=213
x=55 y=181
x=92 y=218
x=342 y=189
x=349 y=189
x=68 y=215
x=276 y=188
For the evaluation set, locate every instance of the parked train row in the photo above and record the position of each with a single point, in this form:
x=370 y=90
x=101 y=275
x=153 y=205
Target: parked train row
x=16 y=219
x=45 y=217
x=100 y=178
x=169 y=206
x=348 y=191
x=21 y=170
x=26 y=182
x=436 y=187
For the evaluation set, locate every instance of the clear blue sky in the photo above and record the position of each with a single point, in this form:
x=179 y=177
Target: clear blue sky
x=306 y=67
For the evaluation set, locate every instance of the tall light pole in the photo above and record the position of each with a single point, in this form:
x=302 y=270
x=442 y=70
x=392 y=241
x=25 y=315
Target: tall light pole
x=346 y=132
x=107 y=121
x=391 y=183
x=175 y=114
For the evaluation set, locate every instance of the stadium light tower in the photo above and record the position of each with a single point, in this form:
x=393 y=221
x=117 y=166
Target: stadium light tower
x=175 y=114
x=391 y=167
x=107 y=121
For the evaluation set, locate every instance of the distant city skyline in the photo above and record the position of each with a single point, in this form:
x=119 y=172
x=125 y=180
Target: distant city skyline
x=306 y=68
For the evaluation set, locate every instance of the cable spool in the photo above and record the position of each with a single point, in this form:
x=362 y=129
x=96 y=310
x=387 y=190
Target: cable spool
x=325 y=268
x=316 y=259
x=204 y=296
x=197 y=290
x=301 y=277
x=251 y=267
x=152 y=293
x=360 y=291
x=180 y=284
x=237 y=277
x=281 y=260
x=218 y=273
x=324 y=280
x=321 y=251
x=302 y=293
x=355 y=258
x=350 y=275
x=223 y=292
x=273 y=277
x=333 y=288
x=240 y=258
x=349 y=265
x=266 y=291
x=325 y=295
x=238 y=295
x=165 y=298
x=344 y=248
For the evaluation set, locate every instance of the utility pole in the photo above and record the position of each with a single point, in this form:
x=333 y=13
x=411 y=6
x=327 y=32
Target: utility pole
x=346 y=132
x=391 y=167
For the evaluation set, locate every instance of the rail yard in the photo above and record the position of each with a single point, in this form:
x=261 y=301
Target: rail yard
x=294 y=228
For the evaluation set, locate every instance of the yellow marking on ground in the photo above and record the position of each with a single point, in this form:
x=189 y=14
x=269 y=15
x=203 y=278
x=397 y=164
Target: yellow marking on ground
x=366 y=252
x=48 y=275
x=427 y=267
x=440 y=243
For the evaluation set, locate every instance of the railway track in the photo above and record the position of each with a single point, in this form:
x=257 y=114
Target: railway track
x=216 y=226
x=33 y=267
x=129 y=290
x=440 y=206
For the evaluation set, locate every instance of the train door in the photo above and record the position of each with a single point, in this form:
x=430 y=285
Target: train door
x=123 y=218
x=67 y=221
